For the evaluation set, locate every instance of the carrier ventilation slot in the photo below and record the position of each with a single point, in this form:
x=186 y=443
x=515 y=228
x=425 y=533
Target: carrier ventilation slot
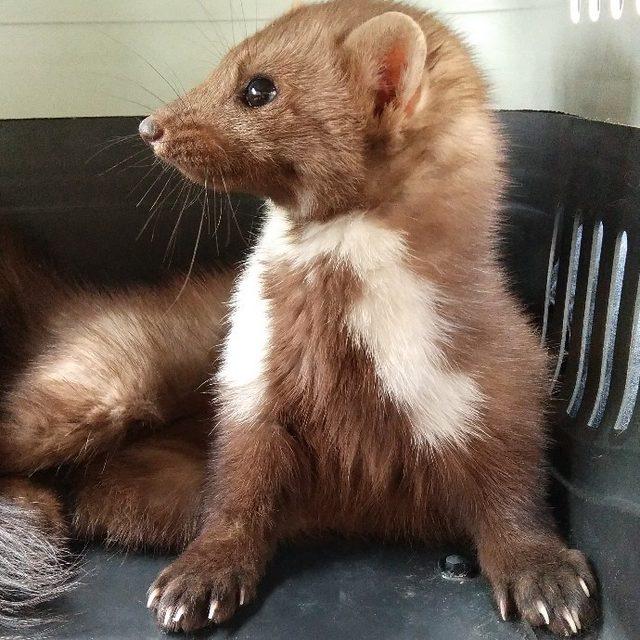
x=572 y=279
x=551 y=275
x=613 y=309
x=574 y=6
x=594 y=9
x=587 y=322
x=617 y=7
x=632 y=383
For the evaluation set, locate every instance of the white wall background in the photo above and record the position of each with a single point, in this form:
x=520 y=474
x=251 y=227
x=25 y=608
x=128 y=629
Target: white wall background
x=123 y=57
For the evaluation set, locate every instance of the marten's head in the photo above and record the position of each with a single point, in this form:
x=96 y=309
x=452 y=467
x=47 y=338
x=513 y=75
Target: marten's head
x=299 y=111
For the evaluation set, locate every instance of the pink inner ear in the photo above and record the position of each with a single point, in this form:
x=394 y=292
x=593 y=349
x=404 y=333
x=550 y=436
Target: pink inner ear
x=393 y=67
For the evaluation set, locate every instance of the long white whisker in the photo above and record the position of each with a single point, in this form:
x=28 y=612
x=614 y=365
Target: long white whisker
x=137 y=154
x=179 y=183
x=217 y=51
x=114 y=142
x=146 y=107
x=153 y=67
x=217 y=213
x=152 y=213
x=165 y=168
x=174 y=234
x=206 y=200
x=155 y=202
x=154 y=165
x=221 y=38
x=233 y=211
x=130 y=80
x=193 y=261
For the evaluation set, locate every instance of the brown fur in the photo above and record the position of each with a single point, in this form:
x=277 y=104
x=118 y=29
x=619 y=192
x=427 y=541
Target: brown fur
x=39 y=499
x=113 y=386
x=112 y=362
x=145 y=495
x=97 y=376
x=327 y=449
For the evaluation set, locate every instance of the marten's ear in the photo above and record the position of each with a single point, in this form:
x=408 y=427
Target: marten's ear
x=390 y=51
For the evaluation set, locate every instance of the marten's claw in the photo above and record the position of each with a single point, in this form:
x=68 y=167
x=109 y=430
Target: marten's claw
x=153 y=596
x=206 y=585
x=556 y=592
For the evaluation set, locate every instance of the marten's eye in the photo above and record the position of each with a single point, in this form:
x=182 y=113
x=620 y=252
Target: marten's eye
x=259 y=91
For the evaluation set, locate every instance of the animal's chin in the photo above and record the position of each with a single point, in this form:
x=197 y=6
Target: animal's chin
x=201 y=171
x=195 y=174
x=204 y=176
x=191 y=172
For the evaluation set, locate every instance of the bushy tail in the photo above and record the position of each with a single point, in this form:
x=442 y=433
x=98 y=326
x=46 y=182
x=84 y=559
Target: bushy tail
x=35 y=563
x=36 y=566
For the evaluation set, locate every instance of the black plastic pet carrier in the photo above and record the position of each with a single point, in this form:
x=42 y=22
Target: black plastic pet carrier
x=572 y=249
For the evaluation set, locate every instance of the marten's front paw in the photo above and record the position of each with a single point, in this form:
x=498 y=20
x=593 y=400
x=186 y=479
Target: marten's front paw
x=203 y=586
x=557 y=591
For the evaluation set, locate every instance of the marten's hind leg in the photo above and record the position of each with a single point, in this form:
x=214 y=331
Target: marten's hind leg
x=107 y=363
x=145 y=495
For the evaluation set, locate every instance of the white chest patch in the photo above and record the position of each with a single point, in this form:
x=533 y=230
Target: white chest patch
x=396 y=321
x=241 y=377
x=241 y=374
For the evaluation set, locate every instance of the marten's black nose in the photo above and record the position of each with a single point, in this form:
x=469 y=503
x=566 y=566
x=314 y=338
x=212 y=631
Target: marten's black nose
x=150 y=130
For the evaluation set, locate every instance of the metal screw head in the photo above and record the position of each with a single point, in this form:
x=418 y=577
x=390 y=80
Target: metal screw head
x=457 y=567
